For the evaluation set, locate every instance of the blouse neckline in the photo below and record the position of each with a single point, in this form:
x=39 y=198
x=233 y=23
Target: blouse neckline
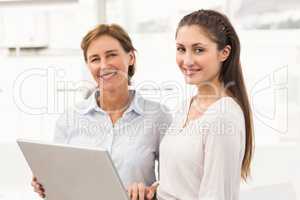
x=184 y=125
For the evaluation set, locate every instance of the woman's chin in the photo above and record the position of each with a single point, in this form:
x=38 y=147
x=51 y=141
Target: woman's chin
x=110 y=84
x=195 y=80
x=192 y=81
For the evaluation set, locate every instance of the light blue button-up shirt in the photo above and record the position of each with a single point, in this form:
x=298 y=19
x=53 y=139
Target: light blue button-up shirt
x=133 y=141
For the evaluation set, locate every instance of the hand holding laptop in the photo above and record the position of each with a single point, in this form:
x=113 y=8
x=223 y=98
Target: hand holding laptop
x=38 y=188
x=136 y=191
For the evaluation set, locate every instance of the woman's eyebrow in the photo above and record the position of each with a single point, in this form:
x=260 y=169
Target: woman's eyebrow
x=106 y=52
x=111 y=51
x=92 y=56
x=193 y=45
x=198 y=44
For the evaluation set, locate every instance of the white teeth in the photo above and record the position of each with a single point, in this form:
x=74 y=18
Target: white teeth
x=108 y=74
x=191 y=71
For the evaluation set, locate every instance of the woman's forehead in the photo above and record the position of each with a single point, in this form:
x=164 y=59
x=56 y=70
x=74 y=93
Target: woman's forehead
x=190 y=35
x=104 y=43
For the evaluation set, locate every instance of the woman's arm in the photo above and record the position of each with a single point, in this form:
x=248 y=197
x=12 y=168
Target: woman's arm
x=163 y=122
x=62 y=127
x=223 y=154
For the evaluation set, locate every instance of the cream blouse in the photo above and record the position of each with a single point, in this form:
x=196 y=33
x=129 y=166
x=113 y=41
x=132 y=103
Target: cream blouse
x=203 y=160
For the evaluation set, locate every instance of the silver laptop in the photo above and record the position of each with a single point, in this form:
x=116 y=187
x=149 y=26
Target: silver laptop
x=73 y=173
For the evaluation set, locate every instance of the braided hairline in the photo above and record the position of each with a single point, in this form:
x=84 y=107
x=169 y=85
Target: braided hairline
x=219 y=20
x=222 y=30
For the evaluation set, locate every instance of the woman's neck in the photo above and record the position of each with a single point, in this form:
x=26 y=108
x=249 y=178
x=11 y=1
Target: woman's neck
x=114 y=101
x=211 y=91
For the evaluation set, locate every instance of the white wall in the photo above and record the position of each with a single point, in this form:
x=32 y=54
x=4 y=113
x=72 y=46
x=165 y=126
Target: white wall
x=66 y=22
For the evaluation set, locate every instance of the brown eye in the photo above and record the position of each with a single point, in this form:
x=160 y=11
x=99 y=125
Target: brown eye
x=199 y=50
x=180 y=49
x=95 y=60
x=111 y=55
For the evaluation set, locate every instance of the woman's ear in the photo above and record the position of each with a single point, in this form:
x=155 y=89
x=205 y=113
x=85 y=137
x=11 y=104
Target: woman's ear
x=131 y=58
x=224 y=53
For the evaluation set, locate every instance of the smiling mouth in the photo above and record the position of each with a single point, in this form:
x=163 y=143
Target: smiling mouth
x=108 y=74
x=191 y=72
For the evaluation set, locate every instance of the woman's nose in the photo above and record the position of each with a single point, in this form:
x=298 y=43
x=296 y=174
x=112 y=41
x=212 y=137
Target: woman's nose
x=103 y=64
x=188 y=60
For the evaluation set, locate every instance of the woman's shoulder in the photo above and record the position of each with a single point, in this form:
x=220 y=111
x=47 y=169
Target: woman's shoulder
x=155 y=106
x=73 y=112
x=231 y=107
x=148 y=106
x=228 y=111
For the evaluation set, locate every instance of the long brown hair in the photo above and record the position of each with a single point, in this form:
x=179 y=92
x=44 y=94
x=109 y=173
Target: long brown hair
x=220 y=30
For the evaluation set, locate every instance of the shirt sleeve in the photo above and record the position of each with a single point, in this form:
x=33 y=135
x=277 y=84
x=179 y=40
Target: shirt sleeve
x=164 y=120
x=223 y=153
x=61 y=129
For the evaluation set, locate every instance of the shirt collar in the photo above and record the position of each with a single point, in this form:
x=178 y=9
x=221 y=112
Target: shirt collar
x=90 y=104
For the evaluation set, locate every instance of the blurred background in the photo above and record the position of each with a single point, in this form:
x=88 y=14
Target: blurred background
x=42 y=72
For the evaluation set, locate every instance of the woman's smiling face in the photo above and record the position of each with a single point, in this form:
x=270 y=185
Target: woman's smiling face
x=197 y=55
x=109 y=62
